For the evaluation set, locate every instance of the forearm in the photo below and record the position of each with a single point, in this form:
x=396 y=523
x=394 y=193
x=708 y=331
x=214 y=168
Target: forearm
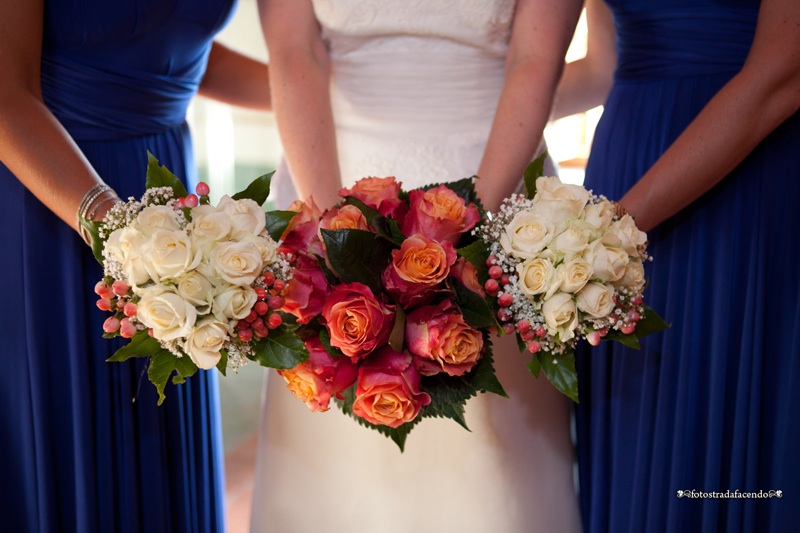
x=581 y=88
x=236 y=79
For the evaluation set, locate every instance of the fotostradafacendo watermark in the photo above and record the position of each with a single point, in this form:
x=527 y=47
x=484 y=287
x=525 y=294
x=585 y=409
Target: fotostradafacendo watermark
x=730 y=494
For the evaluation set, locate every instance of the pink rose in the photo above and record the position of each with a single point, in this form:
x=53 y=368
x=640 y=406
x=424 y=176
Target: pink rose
x=345 y=217
x=389 y=391
x=381 y=194
x=320 y=377
x=439 y=214
x=418 y=269
x=357 y=322
x=467 y=274
x=442 y=340
x=302 y=234
x=307 y=291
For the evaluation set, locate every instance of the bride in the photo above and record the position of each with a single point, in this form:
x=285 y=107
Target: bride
x=427 y=92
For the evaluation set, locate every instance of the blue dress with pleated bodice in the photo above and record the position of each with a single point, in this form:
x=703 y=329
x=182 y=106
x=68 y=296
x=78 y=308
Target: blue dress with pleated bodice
x=711 y=405
x=83 y=446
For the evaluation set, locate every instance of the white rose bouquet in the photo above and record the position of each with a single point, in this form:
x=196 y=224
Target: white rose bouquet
x=194 y=285
x=560 y=265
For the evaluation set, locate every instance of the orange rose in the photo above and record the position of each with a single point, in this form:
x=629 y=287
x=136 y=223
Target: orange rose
x=467 y=274
x=389 y=391
x=442 y=339
x=418 y=270
x=320 y=377
x=358 y=323
x=306 y=291
x=381 y=194
x=439 y=214
x=346 y=217
x=302 y=233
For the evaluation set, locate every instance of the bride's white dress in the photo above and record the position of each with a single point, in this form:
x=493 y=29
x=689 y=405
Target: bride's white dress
x=414 y=87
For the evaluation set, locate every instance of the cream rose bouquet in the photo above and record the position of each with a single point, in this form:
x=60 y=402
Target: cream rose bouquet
x=563 y=265
x=395 y=320
x=192 y=285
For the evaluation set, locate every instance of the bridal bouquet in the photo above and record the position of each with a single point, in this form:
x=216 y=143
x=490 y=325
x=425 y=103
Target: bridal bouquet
x=393 y=317
x=194 y=285
x=562 y=266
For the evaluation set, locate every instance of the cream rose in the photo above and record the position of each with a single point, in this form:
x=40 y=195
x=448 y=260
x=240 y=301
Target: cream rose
x=169 y=254
x=196 y=289
x=526 y=234
x=266 y=247
x=246 y=215
x=572 y=241
x=596 y=300
x=233 y=301
x=634 y=276
x=205 y=341
x=608 y=263
x=155 y=218
x=535 y=276
x=162 y=309
x=238 y=263
x=574 y=274
x=124 y=246
x=598 y=216
x=628 y=234
x=209 y=225
x=561 y=316
x=559 y=202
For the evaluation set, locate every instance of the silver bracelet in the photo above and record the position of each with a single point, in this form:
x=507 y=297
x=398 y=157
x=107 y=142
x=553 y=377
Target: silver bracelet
x=91 y=195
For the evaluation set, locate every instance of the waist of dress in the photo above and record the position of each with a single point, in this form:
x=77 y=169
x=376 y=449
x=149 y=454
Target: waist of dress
x=683 y=42
x=97 y=103
x=415 y=91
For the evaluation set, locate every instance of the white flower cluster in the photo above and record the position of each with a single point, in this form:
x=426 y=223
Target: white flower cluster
x=193 y=278
x=563 y=266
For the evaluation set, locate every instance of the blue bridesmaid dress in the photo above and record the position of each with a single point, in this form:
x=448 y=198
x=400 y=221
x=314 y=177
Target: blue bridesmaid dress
x=84 y=447
x=711 y=405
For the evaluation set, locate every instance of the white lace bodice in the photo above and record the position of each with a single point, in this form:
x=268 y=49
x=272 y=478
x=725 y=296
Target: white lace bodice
x=414 y=84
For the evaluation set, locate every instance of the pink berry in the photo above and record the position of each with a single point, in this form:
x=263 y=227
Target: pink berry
x=258 y=325
x=637 y=300
x=279 y=285
x=129 y=309
x=523 y=325
x=261 y=333
x=120 y=287
x=594 y=338
x=103 y=290
x=202 y=189
x=269 y=278
x=504 y=314
x=527 y=335
x=245 y=335
x=120 y=304
x=541 y=332
x=261 y=308
x=111 y=324
x=252 y=316
x=504 y=280
x=633 y=316
x=274 y=321
x=191 y=200
x=491 y=286
x=275 y=302
x=495 y=272
x=509 y=328
x=505 y=299
x=627 y=329
x=261 y=293
x=491 y=261
x=104 y=304
x=127 y=328
x=533 y=346
x=180 y=202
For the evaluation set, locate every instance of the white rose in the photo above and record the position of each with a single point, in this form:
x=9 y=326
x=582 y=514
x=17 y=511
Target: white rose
x=205 y=341
x=599 y=216
x=596 y=300
x=535 y=276
x=266 y=246
x=572 y=241
x=561 y=316
x=196 y=289
x=575 y=274
x=558 y=202
x=124 y=246
x=162 y=309
x=608 y=263
x=238 y=263
x=234 y=302
x=526 y=234
x=629 y=235
x=634 y=276
x=169 y=254
x=246 y=215
x=208 y=226
x=157 y=217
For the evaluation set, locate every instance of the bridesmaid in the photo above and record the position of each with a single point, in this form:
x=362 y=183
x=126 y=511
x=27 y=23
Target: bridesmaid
x=88 y=87
x=699 y=139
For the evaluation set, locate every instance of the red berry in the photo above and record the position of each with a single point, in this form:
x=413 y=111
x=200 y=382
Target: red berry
x=129 y=309
x=111 y=324
x=505 y=299
x=261 y=333
x=120 y=287
x=508 y=327
x=527 y=335
x=495 y=272
x=504 y=280
x=258 y=325
x=261 y=308
x=491 y=286
x=533 y=346
x=245 y=335
x=191 y=200
x=261 y=293
x=491 y=261
x=541 y=332
x=104 y=304
x=504 y=314
x=275 y=302
x=180 y=202
x=252 y=316
x=202 y=189
x=523 y=325
x=127 y=328
x=627 y=329
x=274 y=321
x=269 y=278
x=279 y=285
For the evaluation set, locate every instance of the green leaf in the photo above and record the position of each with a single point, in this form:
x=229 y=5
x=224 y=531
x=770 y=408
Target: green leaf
x=277 y=222
x=160 y=176
x=325 y=339
x=358 y=256
x=535 y=169
x=449 y=395
x=258 y=190
x=385 y=227
x=222 y=364
x=330 y=277
x=398 y=435
x=280 y=349
x=161 y=367
x=631 y=341
x=93 y=227
x=140 y=345
x=477 y=312
x=651 y=322
x=560 y=371
x=476 y=253
x=185 y=367
x=482 y=377
x=464 y=188
x=533 y=365
x=398 y=335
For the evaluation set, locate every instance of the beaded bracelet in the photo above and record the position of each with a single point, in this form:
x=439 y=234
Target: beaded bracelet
x=86 y=204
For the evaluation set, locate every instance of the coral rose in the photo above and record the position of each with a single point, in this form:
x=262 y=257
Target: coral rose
x=418 y=269
x=467 y=274
x=302 y=233
x=320 y=377
x=381 y=194
x=307 y=291
x=439 y=214
x=389 y=391
x=345 y=217
x=443 y=340
x=358 y=323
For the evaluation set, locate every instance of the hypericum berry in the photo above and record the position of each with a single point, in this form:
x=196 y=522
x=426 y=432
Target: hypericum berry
x=129 y=309
x=103 y=290
x=533 y=346
x=527 y=335
x=258 y=325
x=275 y=302
x=120 y=304
x=111 y=324
x=202 y=189
x=120 y=287
x=245 y=335
x=504 y=314
x=633 y=316
x=180 y=202
x=261 y=293
x=251 y=316
x=505 y=299
x=261 y=308
x=637 y=300
x=274 y=321
x=491 y=286
x=523 y=325
x=269 y=278
x=495 y=272
x=504 y=280
x=509 y=328
x=541 y=332
x=279 y=285
x=261 y=333
x=191 y=200
x=127 y=328
x=491 y=261
x=594 y=338
x=627 y=329
x=104 y=304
